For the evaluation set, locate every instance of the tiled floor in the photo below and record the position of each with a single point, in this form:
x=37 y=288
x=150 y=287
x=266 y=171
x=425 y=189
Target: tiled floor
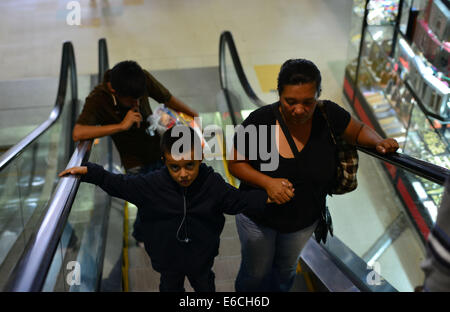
x=164 y=36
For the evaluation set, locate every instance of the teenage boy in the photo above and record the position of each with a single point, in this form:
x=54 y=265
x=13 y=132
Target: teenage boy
x=119 y=107
x=182 y=207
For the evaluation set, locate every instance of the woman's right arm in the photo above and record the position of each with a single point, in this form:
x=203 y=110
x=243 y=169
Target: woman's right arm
x=279 y=190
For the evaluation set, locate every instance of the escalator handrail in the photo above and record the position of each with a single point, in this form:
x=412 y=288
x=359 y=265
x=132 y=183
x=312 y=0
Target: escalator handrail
x=413 y=165
x=103 y=66
x=32 y=268
x=227 y=38
x=103 y=61
x=421 y=168
x=31 y=271
x=67 y=63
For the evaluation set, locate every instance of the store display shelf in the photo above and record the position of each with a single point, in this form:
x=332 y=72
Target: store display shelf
x=382 y=108
x=421 y=79
x=382 y=87
x=422 y=106
x=429 y=152
x=402 y=181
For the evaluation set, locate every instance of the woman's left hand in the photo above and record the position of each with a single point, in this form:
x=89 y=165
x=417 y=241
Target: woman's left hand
x=387 y=146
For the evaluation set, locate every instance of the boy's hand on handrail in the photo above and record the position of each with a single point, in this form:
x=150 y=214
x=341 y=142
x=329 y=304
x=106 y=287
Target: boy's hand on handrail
x=74 y=171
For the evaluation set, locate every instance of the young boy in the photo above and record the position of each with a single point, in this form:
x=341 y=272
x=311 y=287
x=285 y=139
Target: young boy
x=182 y=207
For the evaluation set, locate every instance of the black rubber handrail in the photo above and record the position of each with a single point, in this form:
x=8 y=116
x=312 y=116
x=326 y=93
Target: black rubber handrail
x=67 y=63
x=103 y=61
x=227 y=38
x=418 y=167
x=103 y=66
x=413 y=165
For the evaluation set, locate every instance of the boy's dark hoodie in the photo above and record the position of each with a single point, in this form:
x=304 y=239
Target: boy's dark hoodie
x=162 y=202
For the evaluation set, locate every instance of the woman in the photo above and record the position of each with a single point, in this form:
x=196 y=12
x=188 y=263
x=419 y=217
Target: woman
x=271 y=241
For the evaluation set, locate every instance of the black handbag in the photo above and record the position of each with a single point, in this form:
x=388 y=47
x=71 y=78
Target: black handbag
x=325 y=224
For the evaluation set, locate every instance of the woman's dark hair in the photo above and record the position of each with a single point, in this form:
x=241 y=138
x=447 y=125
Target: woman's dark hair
x=128 y=79
x=185 y=133
x=299 y=71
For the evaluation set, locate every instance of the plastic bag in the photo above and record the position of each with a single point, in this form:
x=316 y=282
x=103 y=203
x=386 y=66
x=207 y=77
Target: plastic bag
x=161 y=120
x=164 y=118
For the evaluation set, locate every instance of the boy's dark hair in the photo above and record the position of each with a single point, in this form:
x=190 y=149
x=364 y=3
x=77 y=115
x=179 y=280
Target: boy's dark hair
x=128 y=79
x=299 y=71
x=190 y=140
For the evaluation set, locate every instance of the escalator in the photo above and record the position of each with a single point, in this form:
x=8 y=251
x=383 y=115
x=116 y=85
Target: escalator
x=75 y=233
x=73 y=239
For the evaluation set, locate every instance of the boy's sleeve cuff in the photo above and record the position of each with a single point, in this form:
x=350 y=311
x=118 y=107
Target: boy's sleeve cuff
x=94 y=175
x=258 y=199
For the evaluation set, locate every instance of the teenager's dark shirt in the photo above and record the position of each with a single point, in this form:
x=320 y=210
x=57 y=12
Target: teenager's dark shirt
x=135 y=146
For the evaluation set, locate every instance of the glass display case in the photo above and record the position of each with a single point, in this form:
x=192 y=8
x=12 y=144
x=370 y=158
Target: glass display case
x=398 y=84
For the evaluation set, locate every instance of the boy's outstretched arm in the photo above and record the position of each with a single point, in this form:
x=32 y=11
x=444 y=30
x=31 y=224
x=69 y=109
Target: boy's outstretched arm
x=128 y=187
x=235 y=201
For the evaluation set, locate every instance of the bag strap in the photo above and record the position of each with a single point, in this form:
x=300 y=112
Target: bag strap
x=291 y=142
x=287 y=134
x=321 y=106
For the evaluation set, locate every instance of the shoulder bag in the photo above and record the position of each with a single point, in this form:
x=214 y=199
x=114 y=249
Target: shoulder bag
x=346 y=158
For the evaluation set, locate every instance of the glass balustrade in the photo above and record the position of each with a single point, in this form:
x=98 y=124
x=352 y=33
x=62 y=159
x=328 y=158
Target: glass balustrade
x=26 y=185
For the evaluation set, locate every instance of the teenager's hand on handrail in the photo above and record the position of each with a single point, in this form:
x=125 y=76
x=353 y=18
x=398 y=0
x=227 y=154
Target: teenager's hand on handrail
x=74 y=171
